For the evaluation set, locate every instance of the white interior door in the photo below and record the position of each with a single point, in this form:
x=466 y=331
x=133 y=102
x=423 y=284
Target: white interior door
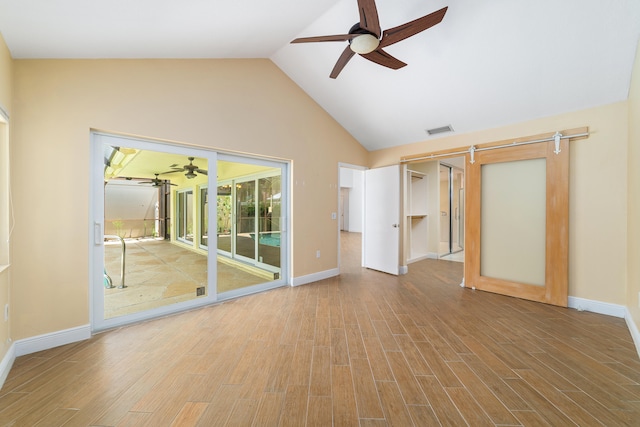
x=382 y=219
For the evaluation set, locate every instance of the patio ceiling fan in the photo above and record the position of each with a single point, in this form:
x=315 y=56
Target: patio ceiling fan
x=191 y=169
x=156 y=182
x=367 y=39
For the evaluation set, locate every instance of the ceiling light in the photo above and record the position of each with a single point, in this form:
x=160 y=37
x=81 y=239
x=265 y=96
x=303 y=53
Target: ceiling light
x=366 y=43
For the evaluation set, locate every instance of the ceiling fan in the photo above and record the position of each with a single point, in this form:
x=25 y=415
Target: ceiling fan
x=367 y=39
x=191 y=169
x=156 y=182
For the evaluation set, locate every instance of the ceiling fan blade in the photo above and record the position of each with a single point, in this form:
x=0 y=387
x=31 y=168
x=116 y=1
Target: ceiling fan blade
x=401 y=32
x=335 y=38
x=381 y=57
x=171 y=171
x=369 y=16
x=202 y=171
x=342 y=61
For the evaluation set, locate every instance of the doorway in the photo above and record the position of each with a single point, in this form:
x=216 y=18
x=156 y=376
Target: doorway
x=350 y=207
x=150 y=250
x=451 y=181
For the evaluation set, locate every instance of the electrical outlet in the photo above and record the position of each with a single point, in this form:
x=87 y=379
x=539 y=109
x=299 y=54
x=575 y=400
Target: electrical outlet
x=6 y=312
x=317 y=254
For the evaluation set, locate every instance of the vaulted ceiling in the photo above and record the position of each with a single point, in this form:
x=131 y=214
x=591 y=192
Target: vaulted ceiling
x=487 y=64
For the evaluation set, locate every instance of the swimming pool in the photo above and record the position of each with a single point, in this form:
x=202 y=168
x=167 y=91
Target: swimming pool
x=269 y=238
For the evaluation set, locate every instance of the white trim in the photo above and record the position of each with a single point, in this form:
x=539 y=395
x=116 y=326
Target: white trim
x=633 y=329
x=582 y=304
x=403 y=269
x=51 y=340
x=7 y=363
x=314 y=277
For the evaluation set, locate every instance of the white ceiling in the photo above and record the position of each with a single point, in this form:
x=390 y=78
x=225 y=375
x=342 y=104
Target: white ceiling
x=488 y=64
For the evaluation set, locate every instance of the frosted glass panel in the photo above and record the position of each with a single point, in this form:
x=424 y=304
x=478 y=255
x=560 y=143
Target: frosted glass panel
x=513 y=213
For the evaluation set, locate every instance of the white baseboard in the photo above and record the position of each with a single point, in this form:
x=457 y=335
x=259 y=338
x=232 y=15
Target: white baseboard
x=633 y=329
x=7 y=363
x=54 y=339
x=39 y=343
x=609 y=310
x=310 y=278
x=599 y=307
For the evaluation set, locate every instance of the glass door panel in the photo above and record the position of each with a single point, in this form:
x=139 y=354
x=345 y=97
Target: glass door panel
x=511 y=251
x=246 y=219
x=269 y=193
x=250 y=204
x=145 y=270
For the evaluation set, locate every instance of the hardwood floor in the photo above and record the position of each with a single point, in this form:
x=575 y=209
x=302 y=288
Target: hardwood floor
x=364 y=348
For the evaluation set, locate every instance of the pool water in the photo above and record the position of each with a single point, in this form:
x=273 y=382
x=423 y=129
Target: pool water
x=269 y=239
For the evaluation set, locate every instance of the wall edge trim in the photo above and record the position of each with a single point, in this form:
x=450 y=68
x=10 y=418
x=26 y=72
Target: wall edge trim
x=583 y=304
x=633 y=329
x=51 y=340
x=7 y=363
x=314 y=277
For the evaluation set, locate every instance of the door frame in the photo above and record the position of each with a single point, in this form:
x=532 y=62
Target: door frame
x=361 y=170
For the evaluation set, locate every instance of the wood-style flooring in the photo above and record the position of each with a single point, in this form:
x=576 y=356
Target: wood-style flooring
x=362 y=349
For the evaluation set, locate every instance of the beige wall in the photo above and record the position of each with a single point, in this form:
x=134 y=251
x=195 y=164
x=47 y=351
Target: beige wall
x=6 y=65
x=633 y=251
x=598 y=193
x=241 y=105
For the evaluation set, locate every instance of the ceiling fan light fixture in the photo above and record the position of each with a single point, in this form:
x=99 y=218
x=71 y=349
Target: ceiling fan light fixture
x=190 y=175
x=365 y=43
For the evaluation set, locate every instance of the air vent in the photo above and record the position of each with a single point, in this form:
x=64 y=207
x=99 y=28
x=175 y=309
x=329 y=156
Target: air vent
x=442 y=129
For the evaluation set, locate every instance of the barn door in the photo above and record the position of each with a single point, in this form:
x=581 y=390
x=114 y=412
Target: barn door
x=517 y=215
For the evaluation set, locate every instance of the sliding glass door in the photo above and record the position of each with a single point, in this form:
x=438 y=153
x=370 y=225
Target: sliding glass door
x=150 y=247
